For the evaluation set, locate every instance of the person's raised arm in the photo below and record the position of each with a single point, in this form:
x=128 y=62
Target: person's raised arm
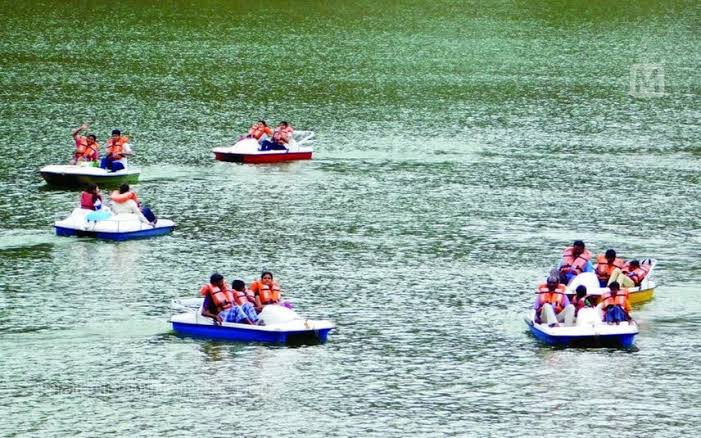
x=78 y=129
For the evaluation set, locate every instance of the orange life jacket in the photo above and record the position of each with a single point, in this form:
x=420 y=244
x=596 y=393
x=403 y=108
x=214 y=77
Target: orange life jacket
x=124 y=197
x=85 y=150
x=604 y=269
x=258 y=131
x=222 y=299
x=555 y=298
x=575 y=263
x=620 y=299
x=115 y=146
x=637 y=275
x=240 y=297
x=268 y=294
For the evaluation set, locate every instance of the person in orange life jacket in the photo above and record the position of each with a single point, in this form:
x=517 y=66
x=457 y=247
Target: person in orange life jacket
x=581 y=300
x=281 y=137
x=86 y=147
x=118 y=148
x=552 y=305
x=615 y=305
x=91 y=199
x=265 y=291
x=217 y=299
x=605 y=265
x=259 y=131
x=243 y=311
x=125 y=201
x=631 y=275
x=575 y=260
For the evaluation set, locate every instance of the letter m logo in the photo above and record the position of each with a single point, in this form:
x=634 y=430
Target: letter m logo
x=647 y=80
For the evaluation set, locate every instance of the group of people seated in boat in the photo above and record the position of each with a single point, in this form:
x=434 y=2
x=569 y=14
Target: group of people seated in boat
x=87 y=149
x=124 y=200
x=269 y=139
x=609 y=268
x=239 y=304
x=553 y=306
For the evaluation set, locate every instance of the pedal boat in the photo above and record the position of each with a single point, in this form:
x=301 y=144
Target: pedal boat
x=636 y=295
x=109 y=226
x=248 y=150
x=83 y=174
x=589 y=331
x=281 y=326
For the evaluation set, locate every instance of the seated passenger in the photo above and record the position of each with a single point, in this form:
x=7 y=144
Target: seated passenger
x=243 y=311
x=575 y=260
x=266 y=291
x=605 y=265
x=91 y=199
x=615 y=305
x=631 y=275
x=118 y=148
x=260 y=131
x=125 y=201
x=581 y=300
x=552 y=305
x=281 y=138
x=86 y=147
x=217 y=299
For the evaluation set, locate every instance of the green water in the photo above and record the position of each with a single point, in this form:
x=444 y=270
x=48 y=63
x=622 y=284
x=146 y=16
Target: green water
x=460 y=147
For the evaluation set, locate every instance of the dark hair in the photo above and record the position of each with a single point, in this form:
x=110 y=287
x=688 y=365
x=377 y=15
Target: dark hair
x=238 y=285
x=578 y=243
x=216 y=278
x=124 y=188
x=92 y=136
x=263 y=122
x=614 y=285
x=610 y=254
x=116 y=132
x=552 y=280
x=581 y=290
x=92 y=187
x=634 y=263
x=284 y=123
x=266 y=273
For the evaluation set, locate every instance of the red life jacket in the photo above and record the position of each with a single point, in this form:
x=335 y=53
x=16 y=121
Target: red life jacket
x=87 y=200
x=569 y=261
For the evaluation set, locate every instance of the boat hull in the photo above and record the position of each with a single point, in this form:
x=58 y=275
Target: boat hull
x=262 y=158
x=222 y=333
x=613 y=341
x=642 y=296
x=57 y=176
x=141 y=234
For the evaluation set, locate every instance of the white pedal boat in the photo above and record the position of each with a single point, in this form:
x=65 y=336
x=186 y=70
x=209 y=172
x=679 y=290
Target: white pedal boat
x=281 y=325
x=83 y=174
x=248 y=150
x=123 y=226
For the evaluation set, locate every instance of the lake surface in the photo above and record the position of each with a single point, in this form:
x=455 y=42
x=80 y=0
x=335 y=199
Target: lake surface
x=460 y=147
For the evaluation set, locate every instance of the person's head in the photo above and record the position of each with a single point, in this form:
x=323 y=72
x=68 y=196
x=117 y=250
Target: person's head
x=116 y=133
x=216 y=279
x=92 y=188
x=91 y=138
x=124 y=188
x=614 y=287
x=284 y=124
x=266 y=277
x=238 y=285
x=610 y=255
x=552 y=282
x=634 y=264
x=578 y=247
x=581 y=291
x=262 y=123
